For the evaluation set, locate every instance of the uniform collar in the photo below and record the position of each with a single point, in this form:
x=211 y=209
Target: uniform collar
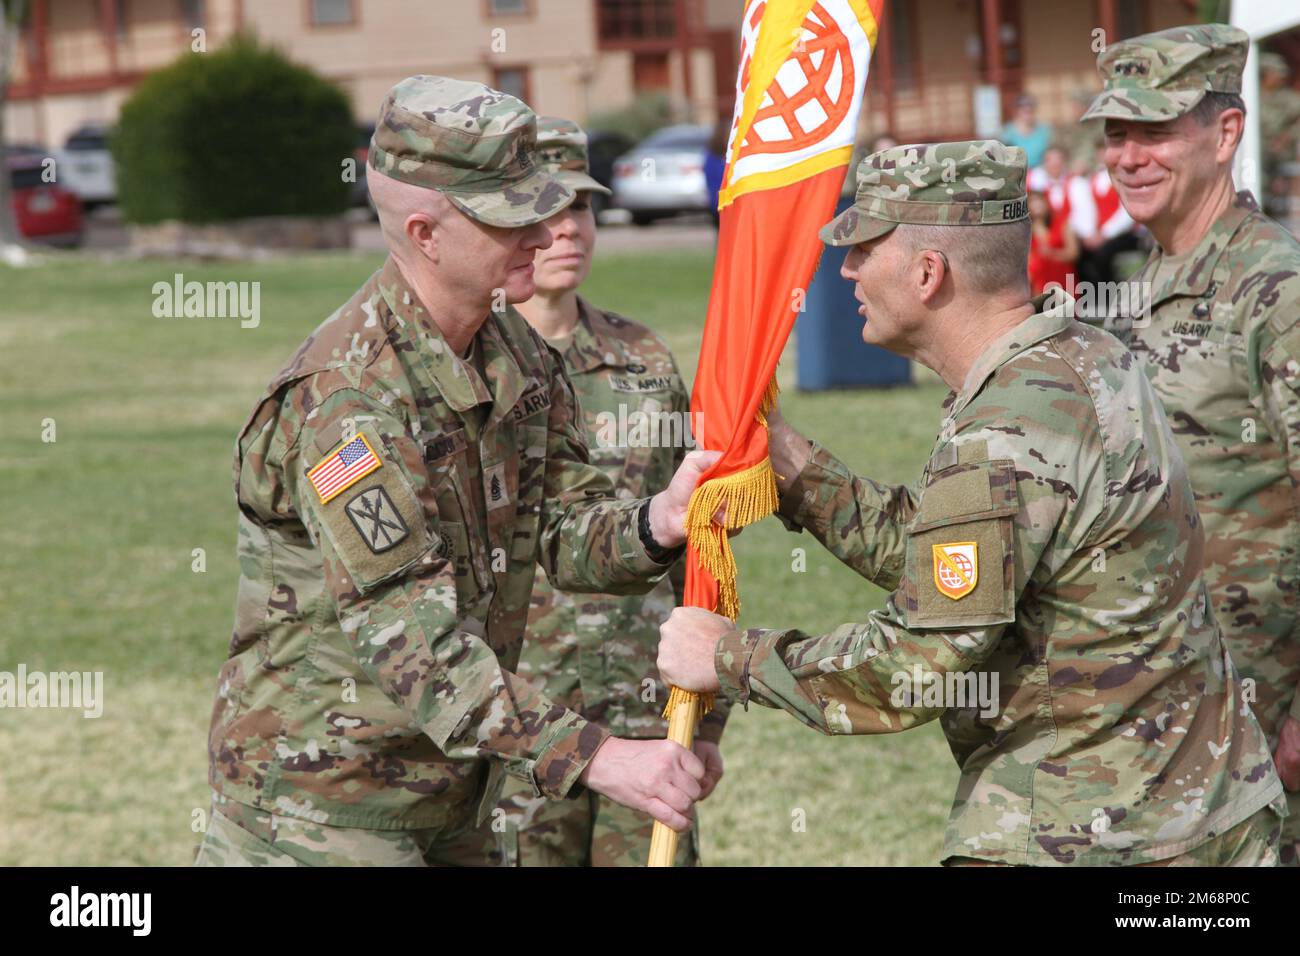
x=456 y=380
x=1193 y=277
x=593 y=343
x=1050 y=317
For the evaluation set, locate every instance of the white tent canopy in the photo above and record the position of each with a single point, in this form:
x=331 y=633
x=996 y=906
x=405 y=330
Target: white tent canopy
x=1261 y=19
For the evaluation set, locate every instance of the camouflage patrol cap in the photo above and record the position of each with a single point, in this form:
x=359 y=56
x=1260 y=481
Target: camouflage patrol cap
x=974 y=183
x=562 y=150
x=475 y=145
x=1160 y=76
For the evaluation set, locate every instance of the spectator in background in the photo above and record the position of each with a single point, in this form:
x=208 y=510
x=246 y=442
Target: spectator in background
x=1100 y=227
x=1052 y=177
x=1080 y=140
x=1279 y=114
x=715 y=163
x=1053 y=248
x=1026 y=131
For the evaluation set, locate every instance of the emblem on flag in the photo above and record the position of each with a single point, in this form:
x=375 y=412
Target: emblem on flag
x=343 y=467
x=956 y=568
x=798 y=92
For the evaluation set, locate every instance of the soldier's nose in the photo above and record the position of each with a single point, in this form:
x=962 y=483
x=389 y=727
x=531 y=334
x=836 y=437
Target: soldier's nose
x=537 y=236
x=1131 y=154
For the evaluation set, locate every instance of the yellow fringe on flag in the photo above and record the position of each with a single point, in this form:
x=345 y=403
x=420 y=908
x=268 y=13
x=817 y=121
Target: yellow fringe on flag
x=678 y=696
x=749 y=495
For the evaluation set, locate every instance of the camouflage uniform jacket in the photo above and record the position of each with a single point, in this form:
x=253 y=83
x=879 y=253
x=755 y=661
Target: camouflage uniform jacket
x=1222 y=349
x=1119 y=735
x=593 y=653
x=369 y=674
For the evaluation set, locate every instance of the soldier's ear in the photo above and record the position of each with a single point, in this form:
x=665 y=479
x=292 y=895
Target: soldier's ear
x=1231 y=125
x=423 y=233
x=932 y=267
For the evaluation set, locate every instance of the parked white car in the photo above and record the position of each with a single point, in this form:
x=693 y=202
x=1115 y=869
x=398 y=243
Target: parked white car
x=664 y=175
x=86 y=166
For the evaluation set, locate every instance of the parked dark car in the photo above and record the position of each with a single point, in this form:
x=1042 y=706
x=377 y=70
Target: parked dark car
x=602 y=149
x=361 y=192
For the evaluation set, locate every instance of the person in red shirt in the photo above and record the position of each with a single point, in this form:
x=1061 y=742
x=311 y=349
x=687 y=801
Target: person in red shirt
x=1053 y=247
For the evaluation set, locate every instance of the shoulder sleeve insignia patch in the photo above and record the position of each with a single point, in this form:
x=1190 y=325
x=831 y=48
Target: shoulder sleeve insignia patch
x=956 y=568
x=377 y=520
x=381 y=528
x=343 y=467
x=965 y=519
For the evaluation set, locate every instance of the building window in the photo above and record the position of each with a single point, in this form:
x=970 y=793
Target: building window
x=194 y=13
x=507 y=8
x=624 y=20
x=650 y=72
x=512 y=80
x=326 y=13
x=900 y=30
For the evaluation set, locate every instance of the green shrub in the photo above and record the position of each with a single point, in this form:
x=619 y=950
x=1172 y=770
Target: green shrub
x=230 y=134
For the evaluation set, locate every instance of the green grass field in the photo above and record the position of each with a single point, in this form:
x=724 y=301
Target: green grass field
x=101 y=525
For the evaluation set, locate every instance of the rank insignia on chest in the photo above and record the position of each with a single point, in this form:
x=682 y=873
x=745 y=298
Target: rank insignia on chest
x=376 y=519
x=495 y=492
x=343 y=467
x=956 y=568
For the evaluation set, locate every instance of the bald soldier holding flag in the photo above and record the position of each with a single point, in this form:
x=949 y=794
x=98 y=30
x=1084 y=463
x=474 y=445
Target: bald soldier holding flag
x=1053 y=544
x=398 y=482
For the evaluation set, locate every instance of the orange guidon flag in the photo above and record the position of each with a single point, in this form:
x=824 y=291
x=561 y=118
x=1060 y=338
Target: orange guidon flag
x=803 y=68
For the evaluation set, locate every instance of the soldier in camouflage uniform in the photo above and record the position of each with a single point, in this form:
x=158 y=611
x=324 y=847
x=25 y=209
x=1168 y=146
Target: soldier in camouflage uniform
x=1220 y=339
x=1051 y=557
x=1279 y=117
x=595 y=653
x=397 y=485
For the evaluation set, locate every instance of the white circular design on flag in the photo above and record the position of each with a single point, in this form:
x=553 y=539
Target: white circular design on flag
x=812 y=104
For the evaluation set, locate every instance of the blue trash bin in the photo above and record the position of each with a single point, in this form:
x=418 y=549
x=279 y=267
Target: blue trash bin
x=831 y=353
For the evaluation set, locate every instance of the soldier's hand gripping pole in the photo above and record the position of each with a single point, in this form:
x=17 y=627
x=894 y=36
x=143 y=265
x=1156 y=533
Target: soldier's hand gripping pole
x=683 y=711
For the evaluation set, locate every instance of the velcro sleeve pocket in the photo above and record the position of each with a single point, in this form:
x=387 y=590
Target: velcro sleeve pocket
x=374 y=522
x=960 y=549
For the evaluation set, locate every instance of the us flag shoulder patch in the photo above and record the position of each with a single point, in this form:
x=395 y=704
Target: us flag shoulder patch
x=343 y=467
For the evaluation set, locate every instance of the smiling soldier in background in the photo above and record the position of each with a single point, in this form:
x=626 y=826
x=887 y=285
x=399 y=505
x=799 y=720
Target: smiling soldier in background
x=1222 y=347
